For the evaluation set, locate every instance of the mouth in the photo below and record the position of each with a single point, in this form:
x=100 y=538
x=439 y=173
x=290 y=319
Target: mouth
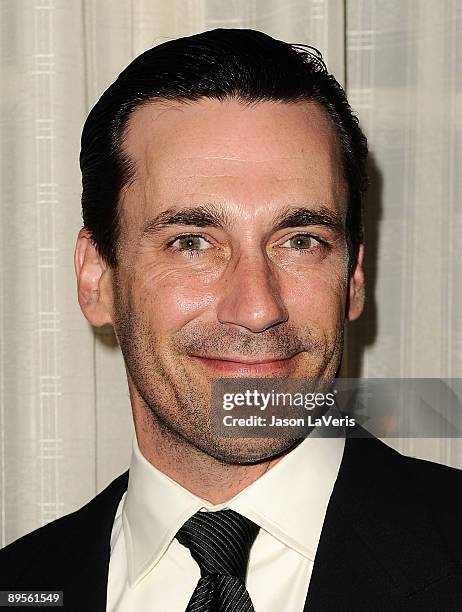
x=237 y=366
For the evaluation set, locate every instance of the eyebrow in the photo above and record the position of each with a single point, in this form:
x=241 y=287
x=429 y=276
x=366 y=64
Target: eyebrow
x=301 y=216
x=200 y=216
x=209 y=215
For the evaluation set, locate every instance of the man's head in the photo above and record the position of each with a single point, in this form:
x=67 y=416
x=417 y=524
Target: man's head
x=222 y=182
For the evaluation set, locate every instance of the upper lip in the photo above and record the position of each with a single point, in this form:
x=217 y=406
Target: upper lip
x=235 y=359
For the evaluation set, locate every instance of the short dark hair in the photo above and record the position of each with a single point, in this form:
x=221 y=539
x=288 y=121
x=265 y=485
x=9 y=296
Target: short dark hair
x=224 y=63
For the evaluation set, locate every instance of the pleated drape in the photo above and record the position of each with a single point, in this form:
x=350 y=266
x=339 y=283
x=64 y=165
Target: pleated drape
x=65 y=418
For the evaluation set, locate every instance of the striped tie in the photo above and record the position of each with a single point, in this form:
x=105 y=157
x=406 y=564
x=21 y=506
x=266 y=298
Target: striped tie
x=220 y=543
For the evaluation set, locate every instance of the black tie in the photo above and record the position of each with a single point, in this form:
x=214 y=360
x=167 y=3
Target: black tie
x=220 y=543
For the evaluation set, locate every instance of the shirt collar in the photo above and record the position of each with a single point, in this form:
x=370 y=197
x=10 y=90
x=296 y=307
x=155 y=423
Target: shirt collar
x=289 y=501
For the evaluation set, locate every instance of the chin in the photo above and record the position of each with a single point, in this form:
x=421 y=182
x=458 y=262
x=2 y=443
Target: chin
x=247 y=451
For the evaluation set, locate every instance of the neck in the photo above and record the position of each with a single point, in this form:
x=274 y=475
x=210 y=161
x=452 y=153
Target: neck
x=210 y=479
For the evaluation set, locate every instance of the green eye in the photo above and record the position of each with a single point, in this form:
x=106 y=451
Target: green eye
x=190 y=243
x=302 y=242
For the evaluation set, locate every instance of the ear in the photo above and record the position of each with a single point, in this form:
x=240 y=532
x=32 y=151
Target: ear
x=356 y=293
x=94 y=283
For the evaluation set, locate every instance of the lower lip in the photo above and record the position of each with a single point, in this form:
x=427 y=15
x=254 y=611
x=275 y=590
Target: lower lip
x=246 y=369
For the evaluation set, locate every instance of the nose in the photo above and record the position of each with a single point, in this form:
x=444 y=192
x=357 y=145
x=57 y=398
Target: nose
x=251 y=295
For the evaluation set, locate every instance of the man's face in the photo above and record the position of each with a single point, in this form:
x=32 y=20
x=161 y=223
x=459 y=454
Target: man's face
x=232 y=259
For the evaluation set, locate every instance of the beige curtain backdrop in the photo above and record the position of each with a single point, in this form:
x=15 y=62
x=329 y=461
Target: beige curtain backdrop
x=65 y=419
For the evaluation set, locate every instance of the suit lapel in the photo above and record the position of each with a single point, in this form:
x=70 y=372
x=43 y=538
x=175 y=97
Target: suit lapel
x=87 y=589
x=379 y=546
x=72 y=554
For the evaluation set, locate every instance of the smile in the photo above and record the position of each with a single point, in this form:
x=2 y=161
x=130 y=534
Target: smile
x=245 y=367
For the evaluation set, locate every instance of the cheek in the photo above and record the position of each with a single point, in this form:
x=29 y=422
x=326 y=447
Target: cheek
x=171 y=299
x=318 y=299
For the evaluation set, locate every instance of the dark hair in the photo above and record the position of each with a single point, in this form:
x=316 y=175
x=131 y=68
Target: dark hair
x=223 y=63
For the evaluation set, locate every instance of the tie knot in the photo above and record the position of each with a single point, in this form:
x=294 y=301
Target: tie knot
x=219 y=542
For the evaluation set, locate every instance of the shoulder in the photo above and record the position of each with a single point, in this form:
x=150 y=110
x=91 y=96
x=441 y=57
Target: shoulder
x=440 y=488
x=53 y=543
x=376 y=458
x=441 y=475
x=402 y=489
x=371 y=451
x=391 y=533
x=435 y=482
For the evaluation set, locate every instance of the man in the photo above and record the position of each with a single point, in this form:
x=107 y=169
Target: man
x=223 y=177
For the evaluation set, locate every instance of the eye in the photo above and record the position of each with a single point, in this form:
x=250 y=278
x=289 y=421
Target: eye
x=190 y=243
x=302 y=242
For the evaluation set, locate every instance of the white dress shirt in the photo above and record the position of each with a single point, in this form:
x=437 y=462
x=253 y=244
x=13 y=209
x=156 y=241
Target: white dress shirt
x=150 y=570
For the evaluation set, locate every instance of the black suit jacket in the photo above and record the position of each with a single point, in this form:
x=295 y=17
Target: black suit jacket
x=391 y=540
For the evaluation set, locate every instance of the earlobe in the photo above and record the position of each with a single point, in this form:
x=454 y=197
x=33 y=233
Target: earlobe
x=93 y=281
x=356 y=296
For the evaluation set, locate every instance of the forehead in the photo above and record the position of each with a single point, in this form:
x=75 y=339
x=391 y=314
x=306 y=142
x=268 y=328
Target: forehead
x=254 y=156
